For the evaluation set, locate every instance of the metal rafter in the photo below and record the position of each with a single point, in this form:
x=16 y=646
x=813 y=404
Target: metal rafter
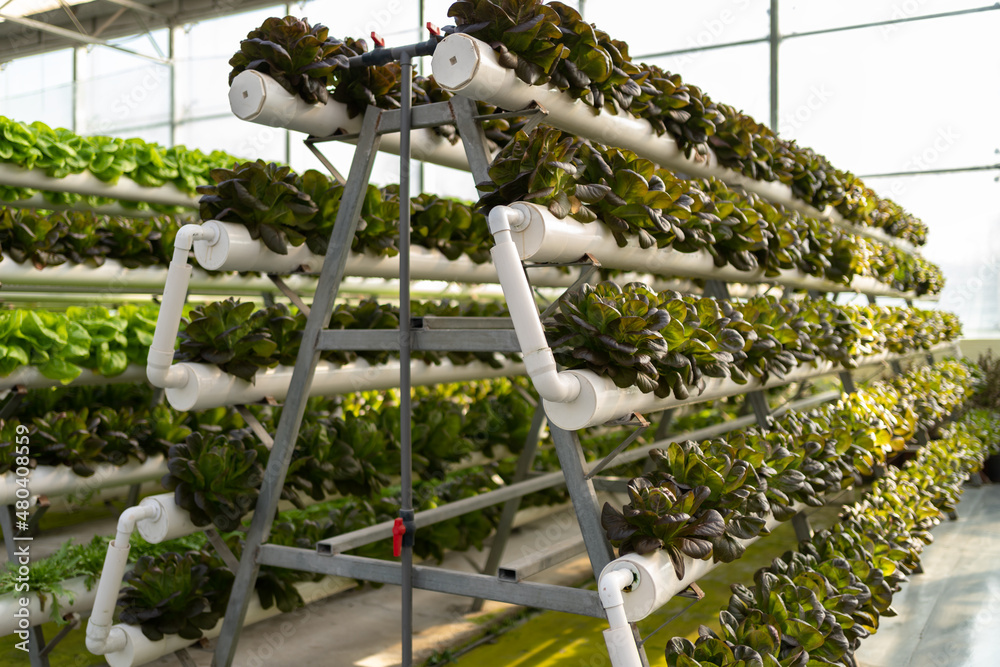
x=138 y=7
x=75 y=36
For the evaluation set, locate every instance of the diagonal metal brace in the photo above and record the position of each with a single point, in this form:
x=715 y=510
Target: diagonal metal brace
x=606 y=461
x=590 y=266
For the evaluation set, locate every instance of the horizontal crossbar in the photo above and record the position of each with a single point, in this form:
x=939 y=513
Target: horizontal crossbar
x=439 y=340
x=530 y=594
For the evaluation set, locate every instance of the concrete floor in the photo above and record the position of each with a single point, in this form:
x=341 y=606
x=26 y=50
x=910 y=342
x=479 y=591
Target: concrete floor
x=949 y=616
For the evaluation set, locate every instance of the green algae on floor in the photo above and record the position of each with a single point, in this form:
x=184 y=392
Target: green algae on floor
x=554 y=639
x=70 y=652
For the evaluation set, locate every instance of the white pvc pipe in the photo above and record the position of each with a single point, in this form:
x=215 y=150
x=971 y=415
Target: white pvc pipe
x=168 y=520
x=37 y=612
x=601 y=401
x=139 y=650
x=538 y=358
x=622 y=648
x=31 y=378
x=101 y=637
x=469 y=67
x=161 y=351
x=234 y=250
x=256 y=97
x=88 y=184
x=652 y=580
x=206 y=386
x=61 y=480
x=38 y=201
x=231 y=248
x=115 y=279
x=546 y=238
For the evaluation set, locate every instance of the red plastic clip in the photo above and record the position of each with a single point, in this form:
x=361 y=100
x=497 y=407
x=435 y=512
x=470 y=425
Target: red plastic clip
x=379 y=40
x=433 y=29
x=398 y=530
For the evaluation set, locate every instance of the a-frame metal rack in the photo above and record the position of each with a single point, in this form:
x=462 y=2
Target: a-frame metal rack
x=449 y=334
x=441 y=334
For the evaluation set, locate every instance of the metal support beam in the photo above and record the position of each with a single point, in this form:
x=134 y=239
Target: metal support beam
x=138 y=7
x=847 y=382
x=76 y=36
x=13 y=401
x=221 y=548
x=530 y=594
x=606 y=461
x=717 y=289
x=473 y=138
x=585 y=503
x=803 y=531
x=405 y=342
x=73 y=623
x=453 y=340
x=761 y=410
x=774 y=44
x=330 y=280
x=531 y=564
x=383 y=531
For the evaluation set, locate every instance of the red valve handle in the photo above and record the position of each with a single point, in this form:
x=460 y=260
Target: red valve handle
x=379 y=40
x=398 y=530
x=433 y=29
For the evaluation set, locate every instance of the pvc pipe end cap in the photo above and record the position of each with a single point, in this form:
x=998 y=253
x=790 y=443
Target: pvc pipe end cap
x=247 y=95
x=456 y=61
x=184 y=397
x=212 y=256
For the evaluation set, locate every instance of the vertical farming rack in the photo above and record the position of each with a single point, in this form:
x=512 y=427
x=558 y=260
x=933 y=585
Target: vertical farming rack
x=630 y=587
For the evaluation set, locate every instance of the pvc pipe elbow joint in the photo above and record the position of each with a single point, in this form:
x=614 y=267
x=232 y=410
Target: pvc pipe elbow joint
x=161 y=351
x=549 y=382
x=188 y=234
x=102 y=640
x=622 y=649
x=538 y=359
x=100 y=636
x=130 y=517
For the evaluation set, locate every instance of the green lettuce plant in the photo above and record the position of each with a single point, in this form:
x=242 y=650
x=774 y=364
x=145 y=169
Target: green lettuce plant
x=182 y=594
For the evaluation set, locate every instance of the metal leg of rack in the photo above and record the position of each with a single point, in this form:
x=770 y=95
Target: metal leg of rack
x=506 y=523
x=330 y=279
x=405 y=343
x=761 y=410
x=585 y=503
x=73 y=622
x=14 y=544
x=803 y=531
x=14 y=401
x=847 y=382
x=184 y=657
x=717 y=289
